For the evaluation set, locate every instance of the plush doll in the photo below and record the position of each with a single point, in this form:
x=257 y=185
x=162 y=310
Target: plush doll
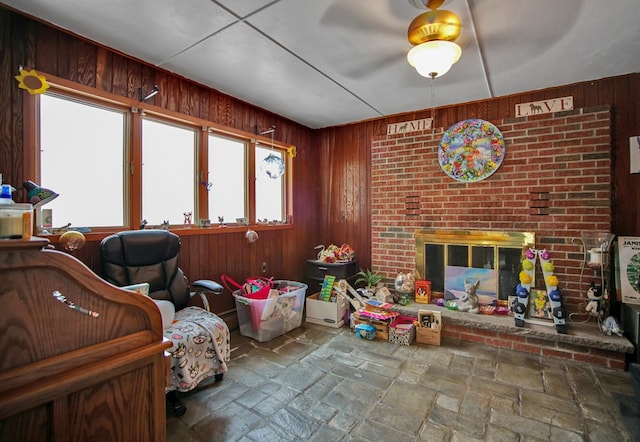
x=594 y=294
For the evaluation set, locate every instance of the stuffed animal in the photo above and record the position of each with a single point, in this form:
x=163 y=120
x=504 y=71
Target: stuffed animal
x=594 y=294
x=610 y=325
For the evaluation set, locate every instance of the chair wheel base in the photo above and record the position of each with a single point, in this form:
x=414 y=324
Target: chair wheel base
x=175 y=404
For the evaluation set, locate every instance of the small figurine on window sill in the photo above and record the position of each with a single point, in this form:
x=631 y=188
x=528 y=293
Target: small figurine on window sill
x=187 y=218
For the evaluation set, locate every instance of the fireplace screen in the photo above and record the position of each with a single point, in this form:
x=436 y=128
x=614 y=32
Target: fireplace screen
x=447 y=258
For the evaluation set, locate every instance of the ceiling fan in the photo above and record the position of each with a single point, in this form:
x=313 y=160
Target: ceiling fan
x=434 y=29
x=433 y=34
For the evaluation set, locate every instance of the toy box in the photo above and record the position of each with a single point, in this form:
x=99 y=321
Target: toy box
x=265 y=319
x=402 y=330
x=326 y=313
x=429 y=327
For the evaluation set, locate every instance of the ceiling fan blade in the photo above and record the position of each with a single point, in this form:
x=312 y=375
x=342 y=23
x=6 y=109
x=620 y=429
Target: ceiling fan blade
x=366 y=67
x=351 y=16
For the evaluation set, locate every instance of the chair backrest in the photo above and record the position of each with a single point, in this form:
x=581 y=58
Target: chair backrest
x=150 y=256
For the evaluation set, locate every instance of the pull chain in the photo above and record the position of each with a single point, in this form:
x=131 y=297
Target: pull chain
x=433 y=109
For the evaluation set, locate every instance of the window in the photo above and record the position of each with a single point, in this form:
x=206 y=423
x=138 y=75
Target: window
x=269 y=191
x=115 y=165
x=75 y=136
x=168 y=172
x=227 y=179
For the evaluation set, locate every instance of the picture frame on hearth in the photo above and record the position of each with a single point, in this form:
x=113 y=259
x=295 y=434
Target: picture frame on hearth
x=456 y=276
x=539 y=305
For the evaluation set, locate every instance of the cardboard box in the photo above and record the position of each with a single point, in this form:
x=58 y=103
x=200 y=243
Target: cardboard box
x=326 y=313
x=429 y=327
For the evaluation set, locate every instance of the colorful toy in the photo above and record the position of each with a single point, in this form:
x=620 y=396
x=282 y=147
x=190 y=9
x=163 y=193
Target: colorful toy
x=523 y=289
x=365 y=331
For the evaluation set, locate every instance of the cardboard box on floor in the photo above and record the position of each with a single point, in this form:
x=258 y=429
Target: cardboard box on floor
x=429 y=327
x=326 y=313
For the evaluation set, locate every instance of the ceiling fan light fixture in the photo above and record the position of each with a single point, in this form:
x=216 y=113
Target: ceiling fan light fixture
x=434 y=58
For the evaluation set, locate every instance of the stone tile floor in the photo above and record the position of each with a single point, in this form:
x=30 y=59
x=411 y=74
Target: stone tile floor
x=322 y=384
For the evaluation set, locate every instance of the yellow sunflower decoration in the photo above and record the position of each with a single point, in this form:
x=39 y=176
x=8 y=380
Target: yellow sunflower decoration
x=33 y=82
x=292 y=151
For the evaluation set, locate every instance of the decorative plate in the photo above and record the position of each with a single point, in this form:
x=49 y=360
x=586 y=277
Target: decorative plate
x=471 y=150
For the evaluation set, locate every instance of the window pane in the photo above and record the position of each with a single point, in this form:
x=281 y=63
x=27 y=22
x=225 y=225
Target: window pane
x=270 y=201
x=82 y=158
x=227 y=174
x=168 y=172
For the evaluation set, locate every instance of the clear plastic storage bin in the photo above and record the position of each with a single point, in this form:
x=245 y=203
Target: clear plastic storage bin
x=265 y=319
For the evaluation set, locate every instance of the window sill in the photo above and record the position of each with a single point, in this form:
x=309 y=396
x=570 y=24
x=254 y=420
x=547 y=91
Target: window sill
x=180 y=231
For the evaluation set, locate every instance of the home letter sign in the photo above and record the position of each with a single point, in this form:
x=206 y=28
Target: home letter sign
x=409 y=126
x=544 y=106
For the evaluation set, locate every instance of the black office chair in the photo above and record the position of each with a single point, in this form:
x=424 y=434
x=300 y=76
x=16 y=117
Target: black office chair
x=201 y=343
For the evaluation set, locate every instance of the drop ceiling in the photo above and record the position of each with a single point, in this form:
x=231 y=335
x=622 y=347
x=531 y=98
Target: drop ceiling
x=326 y=63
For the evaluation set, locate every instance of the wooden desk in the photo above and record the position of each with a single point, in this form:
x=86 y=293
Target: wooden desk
x=90 y=368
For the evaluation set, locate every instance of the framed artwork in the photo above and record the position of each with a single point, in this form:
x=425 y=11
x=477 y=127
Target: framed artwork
x=628 y=268
x=539 y=305
x=454 y=283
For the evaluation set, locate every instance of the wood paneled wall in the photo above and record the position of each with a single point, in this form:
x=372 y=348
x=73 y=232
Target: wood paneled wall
x=34 y=45
x=331 y=202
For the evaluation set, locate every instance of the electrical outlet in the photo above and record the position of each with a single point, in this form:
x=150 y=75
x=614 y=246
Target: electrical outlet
x=264 y=267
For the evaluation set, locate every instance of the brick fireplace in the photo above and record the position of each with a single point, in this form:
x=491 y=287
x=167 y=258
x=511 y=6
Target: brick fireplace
x=555 y=181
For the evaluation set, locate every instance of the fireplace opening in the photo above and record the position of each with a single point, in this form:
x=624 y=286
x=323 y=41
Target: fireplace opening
x=449 y=257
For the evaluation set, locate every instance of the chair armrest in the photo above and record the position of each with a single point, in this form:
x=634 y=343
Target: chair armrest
x=205 y=285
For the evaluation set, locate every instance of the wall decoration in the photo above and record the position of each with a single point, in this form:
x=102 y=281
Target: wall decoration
x=544 y=106
x=409 y=126
x=32 y=82
x=634 y=153
x=454 y=286
x=628 y=268
x=471 y=150
x=539 y=305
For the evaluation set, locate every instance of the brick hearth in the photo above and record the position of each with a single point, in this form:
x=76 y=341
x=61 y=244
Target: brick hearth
x=583 y=342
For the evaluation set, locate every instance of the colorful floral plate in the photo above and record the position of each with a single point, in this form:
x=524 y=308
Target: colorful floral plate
x=471 y=150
